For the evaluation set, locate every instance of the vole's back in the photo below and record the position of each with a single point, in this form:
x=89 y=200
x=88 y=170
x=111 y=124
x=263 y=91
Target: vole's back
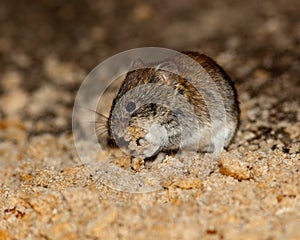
x=225 y=88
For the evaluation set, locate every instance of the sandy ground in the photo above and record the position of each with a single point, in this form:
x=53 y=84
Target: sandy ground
x=46 y=50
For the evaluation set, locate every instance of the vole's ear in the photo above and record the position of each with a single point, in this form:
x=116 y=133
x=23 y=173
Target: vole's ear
x=136 y=64
x=169 y=66
x=166 y=70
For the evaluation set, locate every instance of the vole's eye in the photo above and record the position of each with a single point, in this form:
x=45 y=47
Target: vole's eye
x=130 y=107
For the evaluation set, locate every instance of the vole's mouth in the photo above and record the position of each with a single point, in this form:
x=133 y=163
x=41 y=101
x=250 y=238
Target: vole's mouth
x=139 y=148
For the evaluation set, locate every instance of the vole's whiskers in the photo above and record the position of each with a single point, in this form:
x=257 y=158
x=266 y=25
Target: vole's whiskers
x=101 y=132
x=100 y=123
x=100 y=115
x=101 y=128
x=103 y=119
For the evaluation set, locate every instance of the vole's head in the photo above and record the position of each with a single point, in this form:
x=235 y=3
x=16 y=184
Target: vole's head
x=141 y=118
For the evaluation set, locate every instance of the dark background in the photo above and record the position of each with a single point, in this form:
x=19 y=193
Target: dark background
x=52 y=45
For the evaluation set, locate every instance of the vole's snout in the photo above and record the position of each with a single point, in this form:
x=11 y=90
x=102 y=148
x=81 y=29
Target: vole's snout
x=120 y=123
x=121 y=142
